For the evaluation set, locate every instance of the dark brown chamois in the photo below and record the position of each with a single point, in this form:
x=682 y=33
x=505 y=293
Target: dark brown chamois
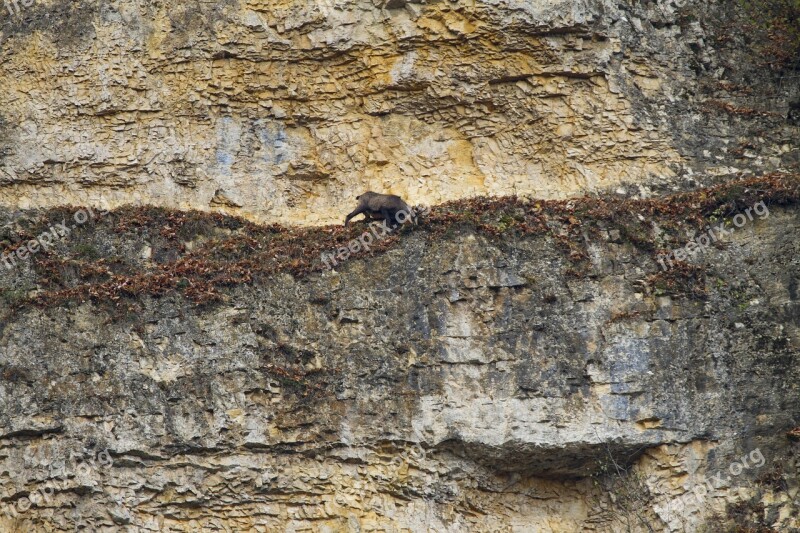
x=387 y=207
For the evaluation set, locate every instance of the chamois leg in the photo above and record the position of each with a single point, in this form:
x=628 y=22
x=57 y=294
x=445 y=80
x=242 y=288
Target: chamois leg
x=357 y=212
x=388 y=217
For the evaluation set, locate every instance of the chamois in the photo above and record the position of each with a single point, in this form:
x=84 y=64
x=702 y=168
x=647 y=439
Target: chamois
x=392 y=209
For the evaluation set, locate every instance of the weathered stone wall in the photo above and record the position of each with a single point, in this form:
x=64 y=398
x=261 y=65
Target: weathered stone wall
x=285 y=110
x=454 y=383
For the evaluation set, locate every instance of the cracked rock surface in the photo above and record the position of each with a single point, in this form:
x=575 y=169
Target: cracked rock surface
x=458 y=383
x=283 y=111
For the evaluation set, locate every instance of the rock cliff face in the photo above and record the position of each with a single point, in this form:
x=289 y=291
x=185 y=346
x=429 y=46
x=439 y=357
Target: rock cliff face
x=165 y=370
x=285 y=110
x=454 y=382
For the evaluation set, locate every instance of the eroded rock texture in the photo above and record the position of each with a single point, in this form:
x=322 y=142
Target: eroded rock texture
x=454 y=383
x=285 y=110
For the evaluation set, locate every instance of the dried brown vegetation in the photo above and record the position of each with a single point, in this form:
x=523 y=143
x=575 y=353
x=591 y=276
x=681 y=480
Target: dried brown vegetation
x=200 y=254
x=718 y=105
x=774 y=26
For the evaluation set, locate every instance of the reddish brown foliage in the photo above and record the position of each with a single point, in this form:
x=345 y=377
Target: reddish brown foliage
x=234 y=251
